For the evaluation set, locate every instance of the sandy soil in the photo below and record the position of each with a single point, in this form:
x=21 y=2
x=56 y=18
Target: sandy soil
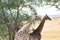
x=51 y=30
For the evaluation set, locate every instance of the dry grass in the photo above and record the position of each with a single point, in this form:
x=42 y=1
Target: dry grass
x=51 y=29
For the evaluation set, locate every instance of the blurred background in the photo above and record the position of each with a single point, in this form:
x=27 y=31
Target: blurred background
x=14 y=13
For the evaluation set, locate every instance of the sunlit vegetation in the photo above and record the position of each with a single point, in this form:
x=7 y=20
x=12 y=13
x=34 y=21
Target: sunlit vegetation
x=12 y=10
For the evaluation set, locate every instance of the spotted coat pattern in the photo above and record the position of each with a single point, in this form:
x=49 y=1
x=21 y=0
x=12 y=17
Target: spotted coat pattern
x=23 y=34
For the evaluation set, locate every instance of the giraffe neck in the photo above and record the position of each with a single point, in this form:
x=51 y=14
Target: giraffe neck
x=27 y=25
x=25 y=28
x=40 y=27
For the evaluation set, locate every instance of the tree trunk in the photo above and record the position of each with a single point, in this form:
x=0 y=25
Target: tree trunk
x=9 y=34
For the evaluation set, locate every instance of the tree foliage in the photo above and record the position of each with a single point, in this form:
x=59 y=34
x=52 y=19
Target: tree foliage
x=12 y=10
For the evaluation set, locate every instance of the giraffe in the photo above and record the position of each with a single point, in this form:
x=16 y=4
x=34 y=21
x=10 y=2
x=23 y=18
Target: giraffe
x=22 y=34
x=36 y=33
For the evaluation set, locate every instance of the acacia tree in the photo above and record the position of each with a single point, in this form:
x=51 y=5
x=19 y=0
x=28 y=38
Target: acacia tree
x=12 y=10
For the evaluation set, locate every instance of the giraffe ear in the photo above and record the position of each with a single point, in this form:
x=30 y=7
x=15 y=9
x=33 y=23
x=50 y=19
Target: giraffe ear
x=46 y=15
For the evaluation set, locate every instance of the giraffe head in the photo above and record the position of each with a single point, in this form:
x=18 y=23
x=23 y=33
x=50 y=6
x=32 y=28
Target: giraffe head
x=34 y=16
x=47 y=17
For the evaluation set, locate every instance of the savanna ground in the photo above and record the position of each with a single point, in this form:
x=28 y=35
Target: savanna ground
x=51 y=29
